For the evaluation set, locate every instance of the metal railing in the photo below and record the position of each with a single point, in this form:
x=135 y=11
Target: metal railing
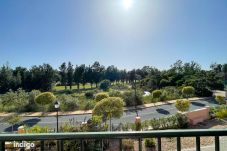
x=138 y=135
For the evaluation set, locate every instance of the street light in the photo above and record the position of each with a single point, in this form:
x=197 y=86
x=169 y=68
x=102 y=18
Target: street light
x=57 y=105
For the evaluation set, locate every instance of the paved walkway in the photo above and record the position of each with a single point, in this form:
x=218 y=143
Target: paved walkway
x=81 y=112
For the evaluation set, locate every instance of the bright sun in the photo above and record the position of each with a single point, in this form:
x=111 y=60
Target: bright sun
x=127 y=4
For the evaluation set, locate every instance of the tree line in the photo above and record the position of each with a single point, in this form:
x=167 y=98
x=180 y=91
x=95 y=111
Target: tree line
x=43 y=77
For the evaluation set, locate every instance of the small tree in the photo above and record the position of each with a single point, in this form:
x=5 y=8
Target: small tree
x=101 y=96
x=182 y=105
x=188 y=91
x=220 y=99
x=105 y=85
x=44 y=99
x=111 y=107
x=12 y=120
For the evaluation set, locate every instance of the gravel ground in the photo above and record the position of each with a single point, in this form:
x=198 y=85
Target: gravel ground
x=169 y=144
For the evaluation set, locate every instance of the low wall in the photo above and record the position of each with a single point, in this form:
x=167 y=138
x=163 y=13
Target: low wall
x=198 y=116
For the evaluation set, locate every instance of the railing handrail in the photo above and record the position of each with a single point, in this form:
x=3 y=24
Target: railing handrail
x=114 y=135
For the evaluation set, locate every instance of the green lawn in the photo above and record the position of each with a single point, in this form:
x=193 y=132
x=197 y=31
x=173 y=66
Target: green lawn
x=74 y=87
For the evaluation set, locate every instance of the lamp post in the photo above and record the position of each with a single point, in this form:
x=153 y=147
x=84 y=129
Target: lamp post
x=57 y=105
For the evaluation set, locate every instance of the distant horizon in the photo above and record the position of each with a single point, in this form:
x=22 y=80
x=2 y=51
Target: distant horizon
x=74 y=65
x=128 y=34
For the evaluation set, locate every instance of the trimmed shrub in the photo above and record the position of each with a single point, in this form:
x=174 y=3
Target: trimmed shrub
x=156 y=94
x=101 y=96
x=45 y=98
x=128 y=144
x=220 y=99
x=149 y=142
x=105 y=85
x=89 y=94
x=182 y=105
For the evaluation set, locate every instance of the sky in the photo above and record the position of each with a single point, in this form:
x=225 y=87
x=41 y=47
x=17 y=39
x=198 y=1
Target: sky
x=125 y=33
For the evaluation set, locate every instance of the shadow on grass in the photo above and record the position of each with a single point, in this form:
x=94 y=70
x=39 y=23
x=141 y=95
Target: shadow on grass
x=29 y=122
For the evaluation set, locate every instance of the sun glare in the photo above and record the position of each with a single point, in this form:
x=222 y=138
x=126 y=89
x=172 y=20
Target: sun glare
x=127 y=4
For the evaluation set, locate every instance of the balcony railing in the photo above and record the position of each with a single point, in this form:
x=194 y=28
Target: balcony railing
x=138 y=135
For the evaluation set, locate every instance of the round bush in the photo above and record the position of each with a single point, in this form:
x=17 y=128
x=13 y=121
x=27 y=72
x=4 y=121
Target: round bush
x=188 y=91
x=105 y=85
x=89 y=94
x=156 y=94
x=45 y=98
x=182 y=105
x=220 y=99
x=101 y=96
x=149 y=142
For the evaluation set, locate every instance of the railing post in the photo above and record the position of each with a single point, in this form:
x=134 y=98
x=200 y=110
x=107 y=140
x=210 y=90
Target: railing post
x=120 y=144
x=101 y=144
x=42 y=145
x=140 y=144
x=2 y=143
x=159 y=144
x=81 y=145
x=178 y=144
x=197 y=143
x=217 y=143
x=62 y=145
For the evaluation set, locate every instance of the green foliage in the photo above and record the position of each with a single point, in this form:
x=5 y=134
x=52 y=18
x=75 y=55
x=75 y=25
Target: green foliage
x=104 y=85
x=12 y=119
x=70 y=75
x=169 y=122
x=127 y=144
x=14 y=101
x=31 y=107
x=219 y=112
x=45 y=98
x=131 y=99
x=89 y=94
x=86 y=104
x=68 y=103
x=63 y=74
x=182 y=120
x=120 y=86
x=188 y=91
x=149 y=142
x=37 y=129
x=115 y=93
x=182 y=105
x=156 y=94
x=220 y=99
x=109 y=107
x=170 y=93
x=100 y=96
x=164 y=83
